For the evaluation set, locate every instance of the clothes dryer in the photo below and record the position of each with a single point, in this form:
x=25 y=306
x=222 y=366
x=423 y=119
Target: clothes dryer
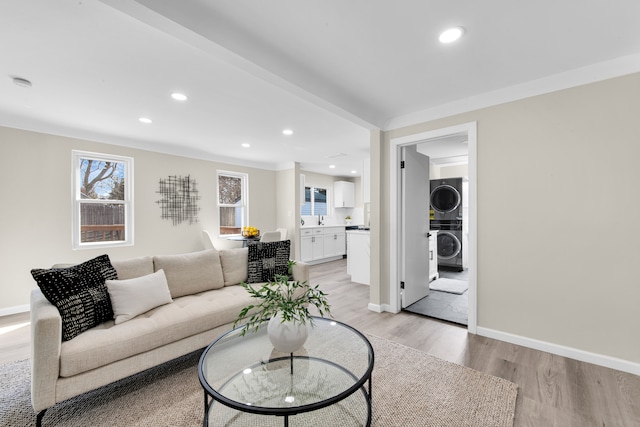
x=450 y=249
x=446 y=199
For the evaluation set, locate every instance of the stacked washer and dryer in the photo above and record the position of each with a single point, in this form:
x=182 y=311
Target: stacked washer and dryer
x=448 y=212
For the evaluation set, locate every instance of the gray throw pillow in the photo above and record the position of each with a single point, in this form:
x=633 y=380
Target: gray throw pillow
x=266 y=259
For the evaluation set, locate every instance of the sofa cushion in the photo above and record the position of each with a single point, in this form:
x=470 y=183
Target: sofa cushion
x=134 y=267
x=235 y=265
x=79 y=293
x=184 y=317
x=191 y=273
x=267 y=259
x=135 y=296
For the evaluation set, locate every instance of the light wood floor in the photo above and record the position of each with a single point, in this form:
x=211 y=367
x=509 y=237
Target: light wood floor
x=552 y=390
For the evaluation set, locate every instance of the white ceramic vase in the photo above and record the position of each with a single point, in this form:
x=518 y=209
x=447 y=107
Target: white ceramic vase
x=286 y=337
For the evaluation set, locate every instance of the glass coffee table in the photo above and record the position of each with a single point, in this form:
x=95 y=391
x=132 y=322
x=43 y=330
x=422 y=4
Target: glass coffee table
x=326 y=382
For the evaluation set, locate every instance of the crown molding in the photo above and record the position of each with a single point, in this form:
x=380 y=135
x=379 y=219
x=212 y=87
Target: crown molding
x=580 y=76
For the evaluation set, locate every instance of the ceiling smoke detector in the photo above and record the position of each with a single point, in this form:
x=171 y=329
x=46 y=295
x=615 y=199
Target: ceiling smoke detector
x=19 y=81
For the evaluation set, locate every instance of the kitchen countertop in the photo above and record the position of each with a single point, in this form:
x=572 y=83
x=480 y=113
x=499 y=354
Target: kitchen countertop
x=325 y=225
x=358 y=231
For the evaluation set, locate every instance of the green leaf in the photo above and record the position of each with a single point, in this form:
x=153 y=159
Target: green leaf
x=290 y=298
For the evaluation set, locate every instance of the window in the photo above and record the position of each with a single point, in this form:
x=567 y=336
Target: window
x=232 y=202
x=102 y=200
x=315 y=201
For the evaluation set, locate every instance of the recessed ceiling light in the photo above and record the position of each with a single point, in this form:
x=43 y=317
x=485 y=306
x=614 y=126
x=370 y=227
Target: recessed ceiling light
x=451 y=35
x=19 y=81
x=287 y=132
x=354 y=171
x=145 y=120
x=246 y=145
x=332 y=166
x=179 y=96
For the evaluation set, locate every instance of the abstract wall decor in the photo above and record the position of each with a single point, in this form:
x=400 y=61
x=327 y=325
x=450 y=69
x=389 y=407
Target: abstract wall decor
x=179 y=202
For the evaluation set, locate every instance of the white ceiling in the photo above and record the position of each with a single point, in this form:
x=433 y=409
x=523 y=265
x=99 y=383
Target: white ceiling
x=330 y=70
x=448 y=150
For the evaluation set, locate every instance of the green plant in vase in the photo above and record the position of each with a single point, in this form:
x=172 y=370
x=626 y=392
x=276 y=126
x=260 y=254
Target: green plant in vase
x=284 y=303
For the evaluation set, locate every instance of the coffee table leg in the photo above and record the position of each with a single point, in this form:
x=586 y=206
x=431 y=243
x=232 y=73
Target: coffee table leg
x=286 y=421
x=205 y=421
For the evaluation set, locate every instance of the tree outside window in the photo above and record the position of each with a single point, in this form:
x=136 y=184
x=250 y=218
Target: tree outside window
x=232 y=202
x=315 y=201
x=102 y=200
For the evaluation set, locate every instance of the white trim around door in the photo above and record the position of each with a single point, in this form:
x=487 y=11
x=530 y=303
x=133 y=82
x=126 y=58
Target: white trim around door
x=394 y=168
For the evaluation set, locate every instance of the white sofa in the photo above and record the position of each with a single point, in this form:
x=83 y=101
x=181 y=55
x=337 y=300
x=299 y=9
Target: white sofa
x=199 y=313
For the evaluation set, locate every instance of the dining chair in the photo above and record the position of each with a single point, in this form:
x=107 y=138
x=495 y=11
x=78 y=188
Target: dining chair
x=283 y=233
x=270 y=236
x=207 y=240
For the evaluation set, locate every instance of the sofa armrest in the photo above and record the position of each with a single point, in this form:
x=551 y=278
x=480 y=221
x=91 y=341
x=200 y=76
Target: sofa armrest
x=46 y=340
x=300 y=271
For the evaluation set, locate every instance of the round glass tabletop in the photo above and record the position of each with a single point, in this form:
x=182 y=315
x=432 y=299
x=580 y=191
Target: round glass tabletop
x=246 y=374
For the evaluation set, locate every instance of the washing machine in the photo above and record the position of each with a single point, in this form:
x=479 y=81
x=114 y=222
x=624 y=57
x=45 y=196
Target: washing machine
x=446 y=199
x=450 y=250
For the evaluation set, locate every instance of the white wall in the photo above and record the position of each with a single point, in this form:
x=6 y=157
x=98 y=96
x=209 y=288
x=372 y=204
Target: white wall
x=35 y=226
x=336 y=216
x=286 y=204
x=453 y=171
x=562 y=269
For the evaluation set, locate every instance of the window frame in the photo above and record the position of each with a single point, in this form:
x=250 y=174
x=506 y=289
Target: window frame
x=77 y=201
x=312 y=189
x=245 y=199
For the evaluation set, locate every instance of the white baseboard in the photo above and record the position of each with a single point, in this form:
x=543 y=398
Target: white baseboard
x=375 y=307
x=323 y=260
x=380 y=308
x=560 y=350
x=14 y=310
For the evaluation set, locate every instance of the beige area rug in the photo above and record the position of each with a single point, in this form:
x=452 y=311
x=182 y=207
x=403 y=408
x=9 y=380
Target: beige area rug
x=410 y=388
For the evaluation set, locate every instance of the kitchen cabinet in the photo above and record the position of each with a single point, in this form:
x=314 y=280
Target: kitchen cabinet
x=321 y=244
x=334 y=241
x=311 y=244
x=344 y=194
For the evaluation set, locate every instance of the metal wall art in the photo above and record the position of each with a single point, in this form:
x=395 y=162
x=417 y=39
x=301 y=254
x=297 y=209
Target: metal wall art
x=179 y=202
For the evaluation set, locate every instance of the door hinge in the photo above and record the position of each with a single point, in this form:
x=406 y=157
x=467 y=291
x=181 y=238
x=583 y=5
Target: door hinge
x=402 y=164
x=401 y=285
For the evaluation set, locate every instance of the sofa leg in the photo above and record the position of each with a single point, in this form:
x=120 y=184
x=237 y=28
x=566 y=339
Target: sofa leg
x=39 y=418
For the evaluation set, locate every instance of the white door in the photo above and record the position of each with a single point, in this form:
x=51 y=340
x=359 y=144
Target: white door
x=414 y=255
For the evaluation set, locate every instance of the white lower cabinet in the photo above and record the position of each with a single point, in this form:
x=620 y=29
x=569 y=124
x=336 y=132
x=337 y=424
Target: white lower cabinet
x=306 y=248
x=334 y=243
x=319 y=243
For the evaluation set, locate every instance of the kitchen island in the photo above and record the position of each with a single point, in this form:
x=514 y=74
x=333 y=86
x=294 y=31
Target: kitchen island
x=358 y=256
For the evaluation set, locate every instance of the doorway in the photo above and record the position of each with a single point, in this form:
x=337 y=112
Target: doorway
x=397 y=263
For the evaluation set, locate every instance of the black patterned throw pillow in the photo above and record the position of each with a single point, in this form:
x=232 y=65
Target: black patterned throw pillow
x=266 y=259
x=79 y=293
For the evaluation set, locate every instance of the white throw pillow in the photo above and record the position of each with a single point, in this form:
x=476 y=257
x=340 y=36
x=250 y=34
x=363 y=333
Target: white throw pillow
x=235 y=265
x=131 y=297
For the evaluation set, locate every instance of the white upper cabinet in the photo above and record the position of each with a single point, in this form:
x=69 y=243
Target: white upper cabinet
x=344 y=194
x=366 y=181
